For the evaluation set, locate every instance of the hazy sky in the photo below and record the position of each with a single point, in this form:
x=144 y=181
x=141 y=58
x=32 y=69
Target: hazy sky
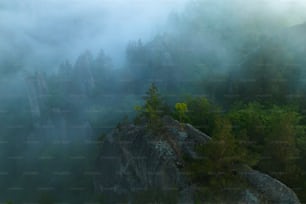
x=56 y=29
x=44 y=32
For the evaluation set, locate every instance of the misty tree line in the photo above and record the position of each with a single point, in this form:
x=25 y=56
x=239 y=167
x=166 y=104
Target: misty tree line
x=241 y=82
x=257 y=80
x=260 y=88
x=267 y=137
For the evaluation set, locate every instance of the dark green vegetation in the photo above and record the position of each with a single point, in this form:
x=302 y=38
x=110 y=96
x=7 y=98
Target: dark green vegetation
x=152 y=111
x=267 y=138
x=242 y=84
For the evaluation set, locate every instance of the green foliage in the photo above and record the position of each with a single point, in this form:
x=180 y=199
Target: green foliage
x=301 y=177
x=153 y=109
x=202 y=114
x=268 y=75
x=46 y=199
x=281 y=144
x=227 y=150
x=249 y=124
x=272 y=133
x=156 y=196
x=220 y=159
x=181 y=110
x=271 y=138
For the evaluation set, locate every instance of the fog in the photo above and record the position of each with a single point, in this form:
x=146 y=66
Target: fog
x=59 y=93
x=48 y=32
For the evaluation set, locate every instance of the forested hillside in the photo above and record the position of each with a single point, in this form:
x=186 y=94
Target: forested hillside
x=239 y=79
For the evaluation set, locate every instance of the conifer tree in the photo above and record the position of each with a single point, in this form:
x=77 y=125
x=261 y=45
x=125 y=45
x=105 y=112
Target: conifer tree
x=152 y=110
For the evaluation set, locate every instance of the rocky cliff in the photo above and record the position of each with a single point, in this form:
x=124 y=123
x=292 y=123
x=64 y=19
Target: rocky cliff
x=136 y=166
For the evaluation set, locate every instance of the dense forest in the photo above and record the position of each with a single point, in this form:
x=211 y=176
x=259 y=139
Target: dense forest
x=238 y=79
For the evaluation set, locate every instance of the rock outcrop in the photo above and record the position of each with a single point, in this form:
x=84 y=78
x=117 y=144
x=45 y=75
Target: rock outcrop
x=135 y=165
x=271 y=189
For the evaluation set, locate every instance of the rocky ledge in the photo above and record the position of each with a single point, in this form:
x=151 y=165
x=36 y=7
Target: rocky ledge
x=135 y=165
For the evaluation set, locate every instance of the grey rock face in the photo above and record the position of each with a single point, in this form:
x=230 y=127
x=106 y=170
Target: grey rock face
x=133 y=160
x=271 y=189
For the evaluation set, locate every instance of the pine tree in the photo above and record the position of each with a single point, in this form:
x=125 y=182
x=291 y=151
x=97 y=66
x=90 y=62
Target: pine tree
x=153 y=109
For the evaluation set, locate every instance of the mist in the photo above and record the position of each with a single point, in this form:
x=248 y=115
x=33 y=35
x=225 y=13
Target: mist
x=72 y=70
x=48 y=32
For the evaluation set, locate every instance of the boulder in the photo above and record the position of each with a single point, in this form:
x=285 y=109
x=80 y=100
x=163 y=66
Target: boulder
x=137 y=166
